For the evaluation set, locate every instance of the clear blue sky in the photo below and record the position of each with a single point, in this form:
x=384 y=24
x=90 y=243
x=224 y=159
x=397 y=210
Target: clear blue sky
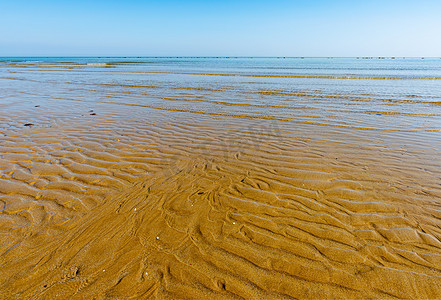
x=220 y=28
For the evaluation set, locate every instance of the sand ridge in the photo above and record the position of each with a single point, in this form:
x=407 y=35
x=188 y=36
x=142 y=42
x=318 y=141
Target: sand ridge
x=221 y=216
x=128 y=201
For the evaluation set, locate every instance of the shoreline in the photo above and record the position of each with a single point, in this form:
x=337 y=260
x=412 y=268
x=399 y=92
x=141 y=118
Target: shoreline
x=105 y=200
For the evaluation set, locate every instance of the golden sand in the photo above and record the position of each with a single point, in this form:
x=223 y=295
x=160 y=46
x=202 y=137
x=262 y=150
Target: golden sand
x=131 y=201
x=196 y=210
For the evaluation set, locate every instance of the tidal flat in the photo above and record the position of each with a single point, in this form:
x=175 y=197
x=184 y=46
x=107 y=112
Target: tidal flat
x=209 y=178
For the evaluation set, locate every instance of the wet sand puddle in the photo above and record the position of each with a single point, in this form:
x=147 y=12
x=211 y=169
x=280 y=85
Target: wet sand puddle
x=105 y=200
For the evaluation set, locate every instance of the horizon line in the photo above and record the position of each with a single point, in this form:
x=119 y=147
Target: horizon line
x=215 y=56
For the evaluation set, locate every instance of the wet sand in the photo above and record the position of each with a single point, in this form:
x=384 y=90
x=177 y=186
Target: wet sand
x=118 y=199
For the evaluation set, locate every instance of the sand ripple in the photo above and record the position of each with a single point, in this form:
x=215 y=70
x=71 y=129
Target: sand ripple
x=100 y=200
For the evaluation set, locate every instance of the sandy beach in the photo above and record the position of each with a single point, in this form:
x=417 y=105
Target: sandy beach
x=130 y=182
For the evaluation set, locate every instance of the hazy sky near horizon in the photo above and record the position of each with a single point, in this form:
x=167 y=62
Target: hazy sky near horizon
x=220 y=28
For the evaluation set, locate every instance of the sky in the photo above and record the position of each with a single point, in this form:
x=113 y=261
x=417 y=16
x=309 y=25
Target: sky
x=220 y=28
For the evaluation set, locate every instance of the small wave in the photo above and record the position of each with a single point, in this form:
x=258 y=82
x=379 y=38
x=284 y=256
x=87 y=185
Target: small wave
x=96 y=64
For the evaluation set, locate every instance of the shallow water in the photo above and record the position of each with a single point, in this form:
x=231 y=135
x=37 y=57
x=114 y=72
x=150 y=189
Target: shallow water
x=227 y=177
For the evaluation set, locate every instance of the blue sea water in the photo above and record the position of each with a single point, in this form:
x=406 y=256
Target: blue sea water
x=362 y=66
x=394 y=94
